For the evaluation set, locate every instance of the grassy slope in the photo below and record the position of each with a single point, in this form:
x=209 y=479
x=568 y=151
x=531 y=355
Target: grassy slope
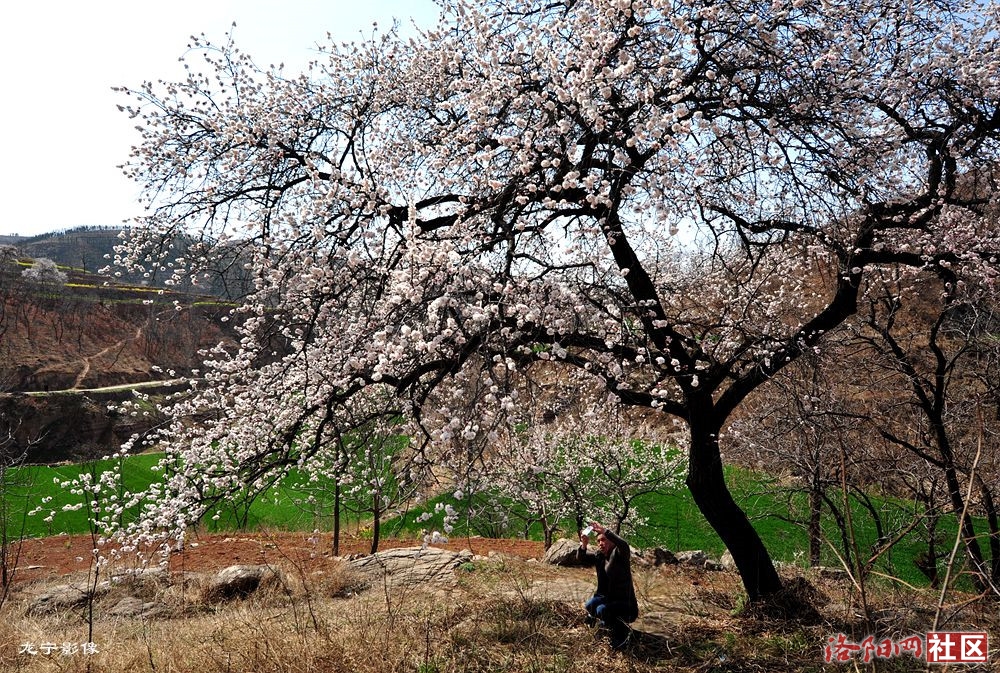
x=673 y=520
x=26 y=488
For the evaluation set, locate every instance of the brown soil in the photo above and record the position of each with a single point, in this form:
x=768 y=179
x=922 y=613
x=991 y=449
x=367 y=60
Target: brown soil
x=53 y=557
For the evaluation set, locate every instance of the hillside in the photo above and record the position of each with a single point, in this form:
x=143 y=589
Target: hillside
x=84 y=336
x=90 y=249
x=82 y=248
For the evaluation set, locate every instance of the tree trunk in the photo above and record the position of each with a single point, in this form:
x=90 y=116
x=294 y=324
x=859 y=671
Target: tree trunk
x=376 y=523
x=815 y=521
x=927 y=562
x=993 y=522
x=708 y=487
x=845 y=538
x=336 y=519
x=967 y=526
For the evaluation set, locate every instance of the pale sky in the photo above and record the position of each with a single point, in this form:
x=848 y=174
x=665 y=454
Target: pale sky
x=64 y=136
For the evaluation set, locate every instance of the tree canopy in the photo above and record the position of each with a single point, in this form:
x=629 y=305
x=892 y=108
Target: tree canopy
x=638 y=192
x=46 y=272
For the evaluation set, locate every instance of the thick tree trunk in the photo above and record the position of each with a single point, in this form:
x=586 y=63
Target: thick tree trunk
x=708 y=487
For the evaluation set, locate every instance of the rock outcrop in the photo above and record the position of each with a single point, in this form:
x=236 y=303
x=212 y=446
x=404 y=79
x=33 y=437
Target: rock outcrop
x=410 y=565
x=63 y=597
x=563 y=553
x=239 y=581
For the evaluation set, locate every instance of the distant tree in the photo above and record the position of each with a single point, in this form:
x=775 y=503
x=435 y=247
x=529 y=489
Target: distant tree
x=797 y=426
x=506 y=187
x=44 y=271
x=939 y=340
x=815 y=429
x=8 y=255
x=368 y=473
x=15 y=485
x=908 y=395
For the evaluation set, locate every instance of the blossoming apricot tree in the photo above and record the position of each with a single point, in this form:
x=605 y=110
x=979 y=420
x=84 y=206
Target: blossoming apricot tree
x=631 y=189
x=45 y=272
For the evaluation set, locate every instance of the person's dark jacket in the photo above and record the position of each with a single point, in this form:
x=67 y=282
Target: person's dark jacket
x=614 y=576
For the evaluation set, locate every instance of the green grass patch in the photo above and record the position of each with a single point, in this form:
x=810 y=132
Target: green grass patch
x=214 y=304
x=285 y=505
x=294 y=502
x=32 y=487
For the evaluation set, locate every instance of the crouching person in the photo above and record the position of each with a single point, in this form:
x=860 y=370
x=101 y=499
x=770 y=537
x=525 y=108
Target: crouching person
x=614 y=603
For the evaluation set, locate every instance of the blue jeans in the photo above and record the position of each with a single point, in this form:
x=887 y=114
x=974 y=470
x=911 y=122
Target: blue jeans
x=612 y=615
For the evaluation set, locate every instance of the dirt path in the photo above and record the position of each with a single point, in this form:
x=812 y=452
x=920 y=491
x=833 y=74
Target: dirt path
x=86 y=363
x=120 y=345
x=52 y=557
x=86 y=366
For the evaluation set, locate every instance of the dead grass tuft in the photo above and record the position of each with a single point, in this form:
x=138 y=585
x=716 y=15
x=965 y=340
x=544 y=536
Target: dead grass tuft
x=798 y=601
x=339 y=581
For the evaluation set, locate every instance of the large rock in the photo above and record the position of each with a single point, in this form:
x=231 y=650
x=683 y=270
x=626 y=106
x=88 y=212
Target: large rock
x=135 y=607
x=410 y=565
x=698 y=559
x=663 y=557
x=695 y=558
x=563 y=553
x=240 y=581
x=62 y=597
x=828 y=573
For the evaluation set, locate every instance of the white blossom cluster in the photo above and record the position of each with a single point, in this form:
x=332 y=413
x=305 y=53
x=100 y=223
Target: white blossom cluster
x=45 y=271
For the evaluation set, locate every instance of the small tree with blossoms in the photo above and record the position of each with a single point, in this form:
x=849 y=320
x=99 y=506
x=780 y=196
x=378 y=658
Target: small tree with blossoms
x=587 y=463
x=373 y=474
x=45 y=272
x=633 y=190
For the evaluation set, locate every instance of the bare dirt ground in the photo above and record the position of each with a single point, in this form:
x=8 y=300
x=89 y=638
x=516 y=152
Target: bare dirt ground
x=52 y=557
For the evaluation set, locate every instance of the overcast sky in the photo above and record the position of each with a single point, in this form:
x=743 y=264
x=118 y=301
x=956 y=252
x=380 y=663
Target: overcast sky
x=63 y=134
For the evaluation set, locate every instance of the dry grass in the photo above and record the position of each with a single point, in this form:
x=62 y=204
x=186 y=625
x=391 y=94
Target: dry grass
x=500 y=615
